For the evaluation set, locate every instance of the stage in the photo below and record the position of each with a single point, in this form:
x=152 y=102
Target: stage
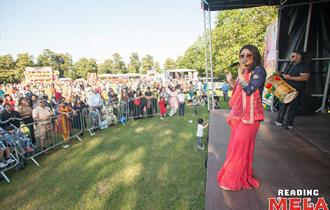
x=283 y=159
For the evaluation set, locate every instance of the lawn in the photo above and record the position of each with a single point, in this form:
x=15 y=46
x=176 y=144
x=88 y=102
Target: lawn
x=147 y=164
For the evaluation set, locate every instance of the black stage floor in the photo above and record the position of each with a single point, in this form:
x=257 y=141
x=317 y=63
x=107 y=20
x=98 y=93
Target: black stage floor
x=283 y=159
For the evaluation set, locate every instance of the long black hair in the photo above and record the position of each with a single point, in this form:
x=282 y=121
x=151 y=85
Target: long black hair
x=256 y=54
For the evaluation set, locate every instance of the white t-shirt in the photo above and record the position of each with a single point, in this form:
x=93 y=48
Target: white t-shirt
x=200 y=129
x=181 y=97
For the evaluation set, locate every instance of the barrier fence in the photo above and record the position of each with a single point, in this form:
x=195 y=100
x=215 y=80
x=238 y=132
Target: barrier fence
x=101 y=117
x=31 y=140
x=58 y=130
x=142 y=107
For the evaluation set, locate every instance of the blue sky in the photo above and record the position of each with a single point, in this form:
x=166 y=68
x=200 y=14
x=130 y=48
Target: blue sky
x=99 y=28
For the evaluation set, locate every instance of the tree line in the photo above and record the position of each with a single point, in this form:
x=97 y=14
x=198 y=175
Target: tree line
x=232 y=30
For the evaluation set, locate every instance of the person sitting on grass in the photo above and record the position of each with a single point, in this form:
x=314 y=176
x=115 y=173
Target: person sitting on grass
x=200 y=129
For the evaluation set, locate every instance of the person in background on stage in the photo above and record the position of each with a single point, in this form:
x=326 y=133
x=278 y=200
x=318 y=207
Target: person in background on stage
x=296 y=76
x=244 y=120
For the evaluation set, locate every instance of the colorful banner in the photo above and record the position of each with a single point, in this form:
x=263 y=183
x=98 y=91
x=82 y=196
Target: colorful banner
x=270 y=61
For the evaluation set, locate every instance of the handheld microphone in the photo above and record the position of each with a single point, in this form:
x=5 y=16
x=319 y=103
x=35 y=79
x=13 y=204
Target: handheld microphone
x=233 y=64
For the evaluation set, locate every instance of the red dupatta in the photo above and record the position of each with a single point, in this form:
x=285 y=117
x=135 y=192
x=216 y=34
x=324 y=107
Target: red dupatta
x=245 y=108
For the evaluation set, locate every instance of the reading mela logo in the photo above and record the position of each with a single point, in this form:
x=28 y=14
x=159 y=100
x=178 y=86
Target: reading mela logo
x=299 y=199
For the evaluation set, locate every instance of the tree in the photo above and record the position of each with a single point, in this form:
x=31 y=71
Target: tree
x=119 y=65
x=147 y=64
x=85 y=66
x=134 y=63
x=65 y=65
x=169 y=64
x=7 y=69
x=106 y=67
x=54 y=60
x=234 y=29
x=23 y=60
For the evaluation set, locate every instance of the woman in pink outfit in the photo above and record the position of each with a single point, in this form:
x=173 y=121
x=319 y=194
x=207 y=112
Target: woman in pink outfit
x=244 y=120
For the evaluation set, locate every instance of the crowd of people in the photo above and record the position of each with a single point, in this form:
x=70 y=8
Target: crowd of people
x=47 y=109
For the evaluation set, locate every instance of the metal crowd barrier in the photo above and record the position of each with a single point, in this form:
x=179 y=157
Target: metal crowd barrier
x=64 y=127
x=100 y=117
x=16 y=163
x=60 y=129
x=9 y=145
x=142 y=107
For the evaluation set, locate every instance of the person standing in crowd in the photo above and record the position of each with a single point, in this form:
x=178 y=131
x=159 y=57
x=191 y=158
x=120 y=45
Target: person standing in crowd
x=78 y=115
x=173 y=101
x=94 y=99
x=63 y=119
x=149 y=96
x=9 y=100
x=33 y=101
x=181 y=99
x=244 y=120
x=43 y=115
x=225 y=88
x=10 y=117
x=25 y=110
x=162 y=107
x=296 y=76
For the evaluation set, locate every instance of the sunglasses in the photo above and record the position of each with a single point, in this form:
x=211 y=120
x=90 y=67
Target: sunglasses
x=248 y=55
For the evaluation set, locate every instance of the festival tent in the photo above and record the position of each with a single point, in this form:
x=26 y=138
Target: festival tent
x=303 y=25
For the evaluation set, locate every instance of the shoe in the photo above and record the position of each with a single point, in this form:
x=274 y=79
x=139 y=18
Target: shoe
x=66 y=146
x=289 y=127
x=9 y=161
x=161 y=118
x=278 y=124
x=201 y=147
x=2 y=165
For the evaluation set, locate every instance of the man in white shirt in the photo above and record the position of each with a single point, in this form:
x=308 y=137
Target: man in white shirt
x=94 y=99
x=181 y=99
x=43 y=116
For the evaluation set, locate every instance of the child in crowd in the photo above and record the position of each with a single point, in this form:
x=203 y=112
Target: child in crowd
x=200 y=128
x=23 y=142
x=4 y=150
x=162 y=107
x=4 y=155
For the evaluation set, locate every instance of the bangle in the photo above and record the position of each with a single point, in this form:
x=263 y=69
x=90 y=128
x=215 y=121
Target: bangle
x=243 y=84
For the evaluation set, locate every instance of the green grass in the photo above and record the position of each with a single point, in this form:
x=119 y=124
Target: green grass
x=147 y=164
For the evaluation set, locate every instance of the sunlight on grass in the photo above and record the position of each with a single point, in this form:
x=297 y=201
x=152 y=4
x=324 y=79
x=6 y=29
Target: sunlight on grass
x=139 y=129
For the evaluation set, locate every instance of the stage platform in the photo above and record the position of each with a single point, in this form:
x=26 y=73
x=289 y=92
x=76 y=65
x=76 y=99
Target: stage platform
x=283 y=159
